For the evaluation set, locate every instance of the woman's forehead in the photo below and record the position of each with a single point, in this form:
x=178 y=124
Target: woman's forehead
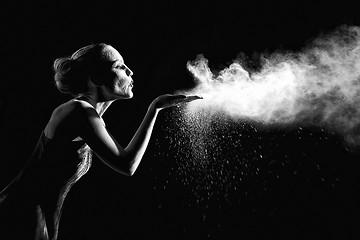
x=114 y=55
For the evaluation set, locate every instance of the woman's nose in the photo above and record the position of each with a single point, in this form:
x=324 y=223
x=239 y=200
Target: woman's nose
x=129 y=72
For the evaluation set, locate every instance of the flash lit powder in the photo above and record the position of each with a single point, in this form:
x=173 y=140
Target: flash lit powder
x=218 y=149
x=319 y=86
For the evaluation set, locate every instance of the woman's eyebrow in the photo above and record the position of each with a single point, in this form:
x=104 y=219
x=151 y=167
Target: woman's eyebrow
x=117 y=61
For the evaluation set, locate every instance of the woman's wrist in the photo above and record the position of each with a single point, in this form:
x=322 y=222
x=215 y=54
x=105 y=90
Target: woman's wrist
x=153 y=109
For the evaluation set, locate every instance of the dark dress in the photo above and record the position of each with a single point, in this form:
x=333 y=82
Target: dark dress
x=31 y=205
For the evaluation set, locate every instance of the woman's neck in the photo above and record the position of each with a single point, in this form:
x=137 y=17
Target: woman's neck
x=99 y=106
x=102 y=106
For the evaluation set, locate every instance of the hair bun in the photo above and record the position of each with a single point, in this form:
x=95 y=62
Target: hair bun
x=63 y=65
x=65 y=74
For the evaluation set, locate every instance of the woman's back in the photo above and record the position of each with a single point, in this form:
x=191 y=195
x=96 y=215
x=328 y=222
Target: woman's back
x=58 y=161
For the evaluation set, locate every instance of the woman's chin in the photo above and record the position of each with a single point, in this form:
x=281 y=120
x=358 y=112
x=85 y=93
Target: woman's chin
x=128 y=95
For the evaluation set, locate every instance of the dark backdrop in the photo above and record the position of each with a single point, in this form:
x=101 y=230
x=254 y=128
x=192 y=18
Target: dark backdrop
x=156 y=40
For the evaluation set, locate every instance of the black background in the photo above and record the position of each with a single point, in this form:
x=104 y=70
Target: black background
x=156 y=40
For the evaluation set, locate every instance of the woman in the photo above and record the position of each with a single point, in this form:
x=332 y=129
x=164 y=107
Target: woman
x=95 y=75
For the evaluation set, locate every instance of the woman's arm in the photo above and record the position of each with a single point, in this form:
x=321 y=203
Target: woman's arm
x=138 y=144
x=124 y=160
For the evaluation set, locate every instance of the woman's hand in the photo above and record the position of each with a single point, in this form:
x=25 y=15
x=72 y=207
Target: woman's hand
x=168 y=100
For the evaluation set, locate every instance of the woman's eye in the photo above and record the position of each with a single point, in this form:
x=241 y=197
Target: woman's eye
x=121 y=67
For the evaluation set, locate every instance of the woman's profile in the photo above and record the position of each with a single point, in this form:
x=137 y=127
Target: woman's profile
x=95 y=75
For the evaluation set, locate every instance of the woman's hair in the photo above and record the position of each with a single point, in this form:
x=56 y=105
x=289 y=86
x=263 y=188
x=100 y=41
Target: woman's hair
x=72 y=73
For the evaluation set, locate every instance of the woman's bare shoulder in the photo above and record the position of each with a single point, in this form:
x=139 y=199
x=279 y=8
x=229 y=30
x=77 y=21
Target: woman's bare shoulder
x=73 y=106
x=68 y=117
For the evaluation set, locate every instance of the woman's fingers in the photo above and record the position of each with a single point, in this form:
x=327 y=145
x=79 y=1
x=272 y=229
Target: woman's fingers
x=168 y=100
x=185 y=99
x=192 y=98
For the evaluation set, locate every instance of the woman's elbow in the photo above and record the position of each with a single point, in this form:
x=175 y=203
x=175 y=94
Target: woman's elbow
x=129 y=172
x=124 y=165
x=124 y=169
x=131 y=166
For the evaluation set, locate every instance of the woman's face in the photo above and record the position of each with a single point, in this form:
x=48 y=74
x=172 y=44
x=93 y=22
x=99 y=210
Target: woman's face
x=118 y=83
